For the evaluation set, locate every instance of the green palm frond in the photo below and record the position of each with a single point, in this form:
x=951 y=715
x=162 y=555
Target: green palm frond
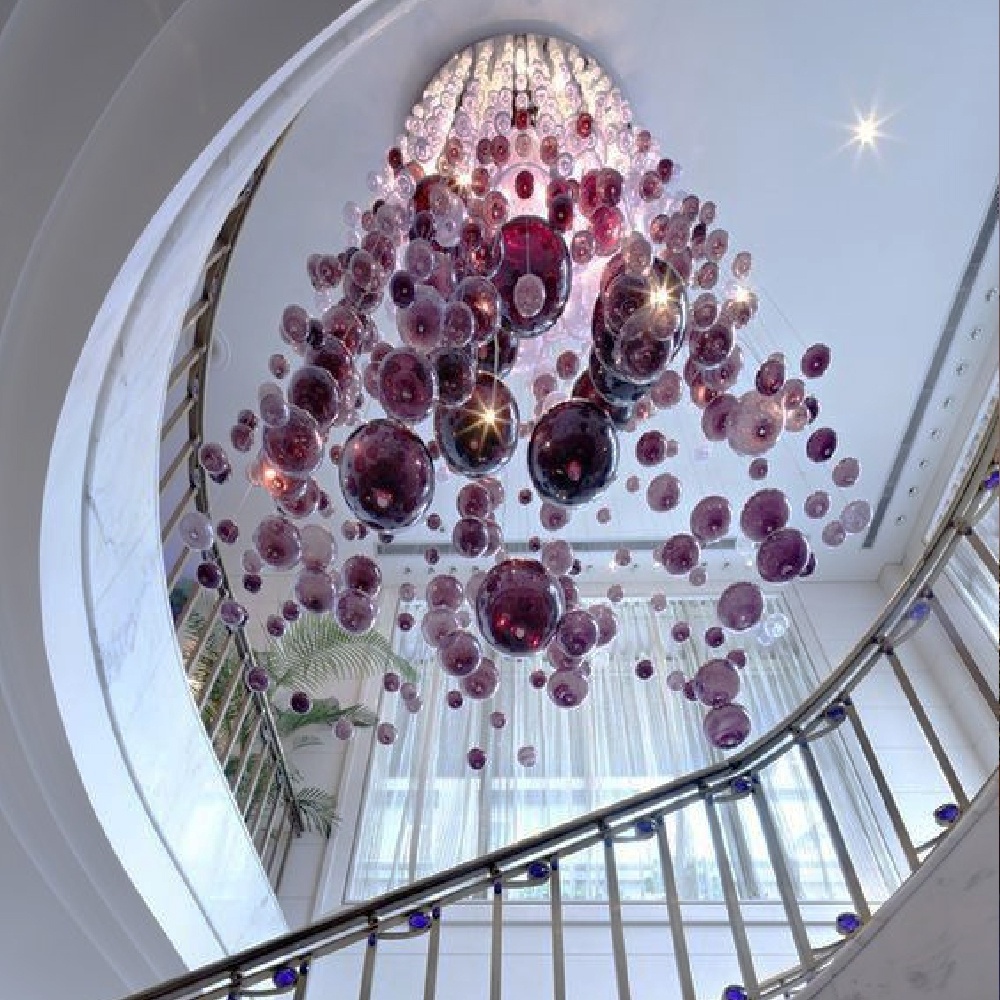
x=316 y=650
x=318 y=810
x=301 y=742
x=324 y=712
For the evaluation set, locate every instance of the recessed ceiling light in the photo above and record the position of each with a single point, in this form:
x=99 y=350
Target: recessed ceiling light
x=866 y=130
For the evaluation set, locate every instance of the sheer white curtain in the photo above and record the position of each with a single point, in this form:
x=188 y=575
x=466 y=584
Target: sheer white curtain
x=425 y=810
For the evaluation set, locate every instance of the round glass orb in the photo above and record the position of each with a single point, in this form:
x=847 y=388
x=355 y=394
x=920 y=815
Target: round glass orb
x=479 y=436
x=476 y=758
x=518 y=606
x=195 y=530
x=444 y=591
x=391 y=682
x=651 y=448
x=644 y=669
x=680 y=554
x=716 y=682
x=314 y=591
x=362 y=573
x=557 y=557
x=295 y=447
x=257 y=679
x=782 y=555
x=437 y=624
x=740 y=606
x=471 y=537
x=473 y=500
x=460 y=653
x=385 y=733
x=846 y=472
x=406 y=385
x=726 y=726
x=278 y=542
x=815 y=361
x=567 y=688
x=755 y=425
x=680 y=631
x=834 y=534
x=528 y=245
x=482 y=682
x=663 y=492
x=577 y=632
x=300 y=702
x=455 y=373
x=817 y=504
x=710 y=519
x=573 y=453
x=763 y=513
x=355 y=611
x=856 y=516
x=343 y=729
x=527 y=756
x=314 y=390
x=386 y=475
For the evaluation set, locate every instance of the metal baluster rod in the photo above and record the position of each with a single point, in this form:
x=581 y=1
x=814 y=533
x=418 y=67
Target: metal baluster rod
x=847 y=868
x=968 y=660
x=885 y=792
x=681 y=957
x=618 y=951
x=744 y=956
x=786 y=888
x=933 y=741
x=433 y=956
x=496 y=942
x=558 y=943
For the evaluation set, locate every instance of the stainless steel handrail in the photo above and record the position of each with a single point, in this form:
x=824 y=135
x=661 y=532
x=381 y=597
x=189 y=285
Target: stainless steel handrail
x=822 y=712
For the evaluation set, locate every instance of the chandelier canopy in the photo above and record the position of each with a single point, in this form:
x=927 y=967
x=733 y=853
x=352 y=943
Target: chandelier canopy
x=523 y=231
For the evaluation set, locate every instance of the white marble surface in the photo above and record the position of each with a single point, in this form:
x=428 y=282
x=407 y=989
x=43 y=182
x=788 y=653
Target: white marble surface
x=936 y=939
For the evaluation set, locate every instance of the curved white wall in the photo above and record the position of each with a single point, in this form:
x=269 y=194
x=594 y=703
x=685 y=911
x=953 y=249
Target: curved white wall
x=103 y=106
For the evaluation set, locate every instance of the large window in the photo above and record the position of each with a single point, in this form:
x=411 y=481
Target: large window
x=425 y=810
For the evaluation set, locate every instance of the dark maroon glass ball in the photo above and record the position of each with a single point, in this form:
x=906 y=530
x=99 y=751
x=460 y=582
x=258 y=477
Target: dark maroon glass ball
x=386 y=475
x=518 y=606
x=573 y=453
x=528 y=245
x=479 y=436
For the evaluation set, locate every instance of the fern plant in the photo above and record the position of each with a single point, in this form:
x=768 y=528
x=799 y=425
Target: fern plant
x=316 y=650
x=313 y=653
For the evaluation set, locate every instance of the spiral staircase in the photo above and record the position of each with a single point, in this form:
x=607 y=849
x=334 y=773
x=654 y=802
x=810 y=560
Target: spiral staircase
x=73 y=802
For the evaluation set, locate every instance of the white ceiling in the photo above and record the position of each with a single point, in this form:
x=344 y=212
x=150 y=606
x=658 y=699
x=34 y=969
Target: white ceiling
x=862 y=251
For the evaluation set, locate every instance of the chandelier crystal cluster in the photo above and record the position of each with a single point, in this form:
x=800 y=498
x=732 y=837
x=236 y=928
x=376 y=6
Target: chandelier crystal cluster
x=522 y=232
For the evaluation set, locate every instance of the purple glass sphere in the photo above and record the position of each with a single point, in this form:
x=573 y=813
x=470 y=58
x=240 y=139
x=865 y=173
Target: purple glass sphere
x=406 y=385
x=680 y=554
x=471 y=537
x=710 y=519
x=663 y=492
x=726 y=726
x=362 y=573
x=821 y=445
x=479 y=436
x=482 y=682
x=356 y=611
x=460 y=653
x=573 y=453
x=386 y=475
x=518 y=606
x=577 y=632
x=528 y=245
x=740 y=606
x=716 y=683
x=567 y=688
x=765 y=512
x=296 y=446
x=782 y=555
x=278 y=542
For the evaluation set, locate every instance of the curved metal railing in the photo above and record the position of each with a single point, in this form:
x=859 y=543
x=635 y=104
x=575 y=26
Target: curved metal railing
x=239 y=722
x=287 y=964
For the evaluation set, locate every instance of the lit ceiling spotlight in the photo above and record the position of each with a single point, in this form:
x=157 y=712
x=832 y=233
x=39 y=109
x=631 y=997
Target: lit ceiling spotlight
x=866 y=131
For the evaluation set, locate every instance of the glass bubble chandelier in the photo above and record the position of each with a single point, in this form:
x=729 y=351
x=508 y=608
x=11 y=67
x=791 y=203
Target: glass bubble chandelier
x=523 y=231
